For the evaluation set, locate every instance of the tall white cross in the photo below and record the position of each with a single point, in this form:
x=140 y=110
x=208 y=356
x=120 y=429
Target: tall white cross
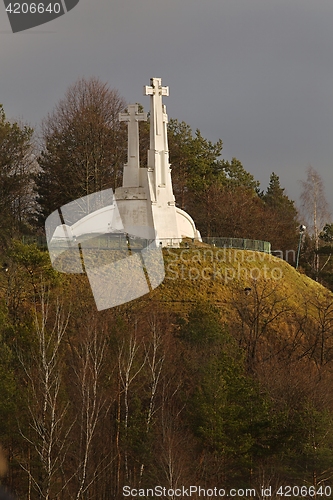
x=133 y=117
x=156 y=91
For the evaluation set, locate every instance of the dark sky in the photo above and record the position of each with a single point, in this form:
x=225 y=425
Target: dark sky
x=256 y=73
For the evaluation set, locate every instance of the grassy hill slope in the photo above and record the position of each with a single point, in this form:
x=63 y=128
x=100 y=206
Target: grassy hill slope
x=219 y=275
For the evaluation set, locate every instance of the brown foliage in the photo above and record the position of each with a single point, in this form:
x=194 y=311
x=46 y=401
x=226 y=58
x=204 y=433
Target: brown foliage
x=84 y=144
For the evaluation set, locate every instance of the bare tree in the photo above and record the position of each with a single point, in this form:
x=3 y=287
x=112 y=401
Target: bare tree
x=173 y=452
x=155 y=357
x=316 y=326
x=130 y=364
x=315 y=209
x=43 y=370
x=172 y=458
x=88 y=360
x=83 y=144
x=261 y=310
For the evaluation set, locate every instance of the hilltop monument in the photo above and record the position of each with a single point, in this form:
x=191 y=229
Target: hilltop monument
x=143 y=210
x=146 y=197
x=144 y=206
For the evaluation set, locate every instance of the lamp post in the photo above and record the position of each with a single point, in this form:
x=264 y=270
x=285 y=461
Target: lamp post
x=302 y=229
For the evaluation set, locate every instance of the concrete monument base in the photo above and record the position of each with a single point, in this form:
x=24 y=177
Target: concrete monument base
x=146 y=197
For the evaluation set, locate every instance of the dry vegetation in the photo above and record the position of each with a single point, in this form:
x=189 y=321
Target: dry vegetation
x=221 y=375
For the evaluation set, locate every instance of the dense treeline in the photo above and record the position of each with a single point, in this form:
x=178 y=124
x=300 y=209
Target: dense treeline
x=237 y=395
x=146 y=394
x=223 y=198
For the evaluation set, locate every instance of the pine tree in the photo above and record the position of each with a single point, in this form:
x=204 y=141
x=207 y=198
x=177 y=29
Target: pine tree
x=17 y=166
x=281 y=216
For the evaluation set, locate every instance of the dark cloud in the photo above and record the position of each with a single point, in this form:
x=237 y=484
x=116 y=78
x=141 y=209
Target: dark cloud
x=256 y=73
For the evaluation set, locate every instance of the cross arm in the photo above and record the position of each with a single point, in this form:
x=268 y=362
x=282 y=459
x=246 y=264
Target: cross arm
x=148 y=90
x=132 y=115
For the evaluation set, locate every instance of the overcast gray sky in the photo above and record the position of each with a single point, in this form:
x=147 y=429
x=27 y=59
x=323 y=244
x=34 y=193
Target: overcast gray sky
x=256 y=73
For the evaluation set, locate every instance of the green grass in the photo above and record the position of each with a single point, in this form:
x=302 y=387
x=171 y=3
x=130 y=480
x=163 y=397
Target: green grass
x=202 y=273
x=218 y=275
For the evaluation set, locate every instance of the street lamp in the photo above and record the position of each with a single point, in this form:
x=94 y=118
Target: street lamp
x=302 y=229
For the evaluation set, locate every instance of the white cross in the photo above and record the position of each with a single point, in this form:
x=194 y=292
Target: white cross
x=133 y=117
x=156 y=91
x=156 y=88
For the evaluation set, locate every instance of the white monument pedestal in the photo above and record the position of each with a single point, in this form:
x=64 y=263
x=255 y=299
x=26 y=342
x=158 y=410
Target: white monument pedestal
x=146 y=198
x=145 y=205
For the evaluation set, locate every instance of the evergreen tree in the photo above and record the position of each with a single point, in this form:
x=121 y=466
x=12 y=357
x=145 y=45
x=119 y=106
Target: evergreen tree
x=227 y=413
x=281 y=218
x=274 y=196
x=180 y=140
x=237 y=176
x=17 y=166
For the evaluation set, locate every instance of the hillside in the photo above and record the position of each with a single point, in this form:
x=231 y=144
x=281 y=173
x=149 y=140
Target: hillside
x=221 y=376
x=204 y=273
x=221 y=276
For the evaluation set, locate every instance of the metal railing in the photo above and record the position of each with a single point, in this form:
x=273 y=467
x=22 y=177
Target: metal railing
x=119 y=241
x=239 y=243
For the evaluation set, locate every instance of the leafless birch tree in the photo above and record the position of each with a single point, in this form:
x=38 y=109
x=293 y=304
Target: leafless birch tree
x=88 y=360
x=130 y=365
x=155 y=358
x=315 y=209
x=43 y=372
